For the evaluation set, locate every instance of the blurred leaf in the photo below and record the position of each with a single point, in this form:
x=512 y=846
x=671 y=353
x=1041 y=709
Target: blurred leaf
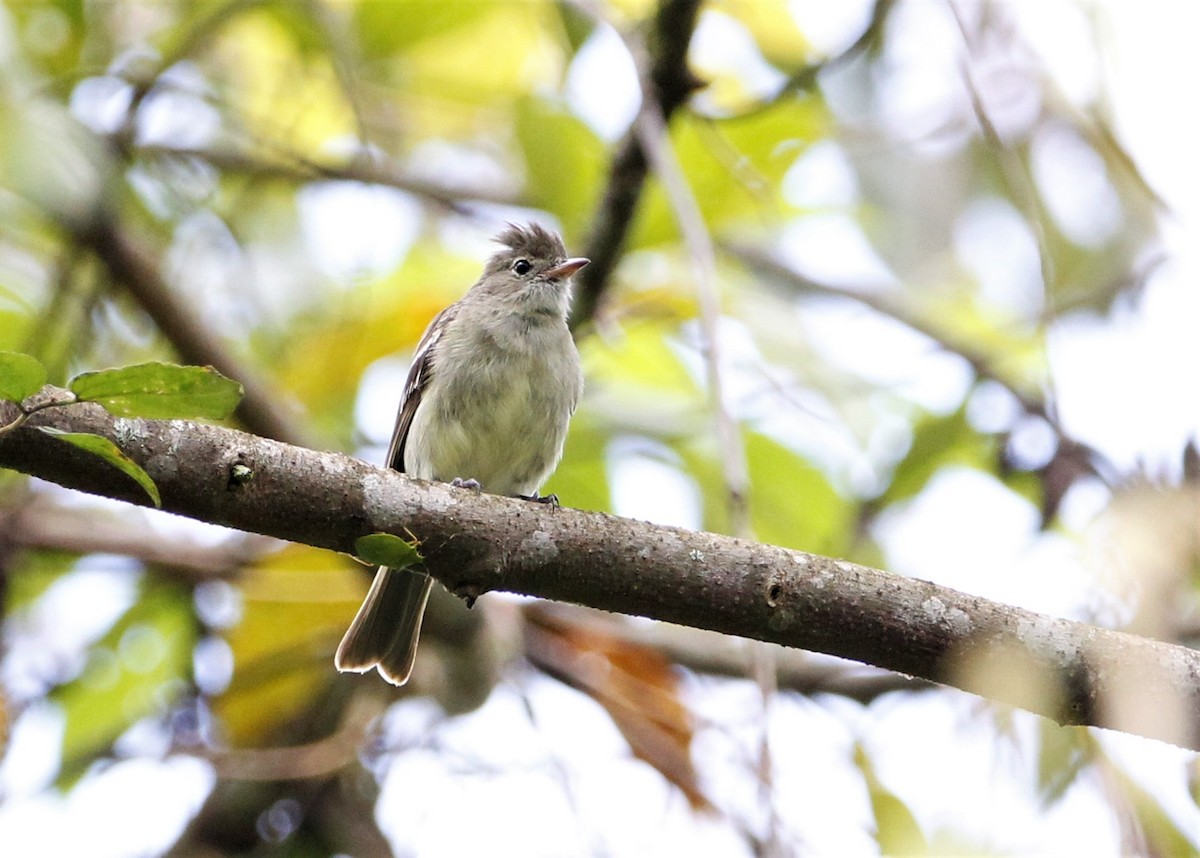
x=1063 y=753
x=52 y=35
x=641 y=359
x=384 y=549
x=772 y=23
x=446 y=91
x=390 y=28
x=261 y=65
x=1162 y=834
x=20 y=376
x=13 y=326
x=637 y=686
x=576 y=23
x=937 y=442
x=297 y=602
x=138 y=669
x=160 y=391
x=31 y=574
x=734 y=167
x=565 y=162
x=384 y=318
x=49 y=158
x=792 y=503
x=581 y=479
x=100 y=446
x=1013 y=349
x=896 y=829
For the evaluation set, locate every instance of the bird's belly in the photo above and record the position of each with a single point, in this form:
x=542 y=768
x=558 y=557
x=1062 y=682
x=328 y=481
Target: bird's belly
x=507 y=436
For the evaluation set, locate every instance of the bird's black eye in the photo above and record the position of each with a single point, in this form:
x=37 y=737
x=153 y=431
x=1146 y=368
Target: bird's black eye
x=522 y=267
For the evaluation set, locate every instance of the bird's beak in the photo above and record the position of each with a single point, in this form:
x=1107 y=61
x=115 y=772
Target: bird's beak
x=565 y=269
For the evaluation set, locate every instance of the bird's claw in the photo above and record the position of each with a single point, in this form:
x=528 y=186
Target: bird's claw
x=471 y=483
x=550 y=499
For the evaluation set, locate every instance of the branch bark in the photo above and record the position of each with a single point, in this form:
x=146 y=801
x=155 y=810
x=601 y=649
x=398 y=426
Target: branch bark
x=1065 y=670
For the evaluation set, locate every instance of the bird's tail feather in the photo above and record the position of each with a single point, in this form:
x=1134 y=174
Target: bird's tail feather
x=385 y=630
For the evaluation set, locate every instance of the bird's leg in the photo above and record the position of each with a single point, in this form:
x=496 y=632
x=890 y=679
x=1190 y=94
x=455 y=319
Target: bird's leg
x=471 y=483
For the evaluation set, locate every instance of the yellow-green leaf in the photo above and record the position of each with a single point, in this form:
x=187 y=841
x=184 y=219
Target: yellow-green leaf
x=564 y=161
x=939 y=441
x=134 y=671
x=20 y=376
x=896 y=829
x=1063 y=753
x=161 y=391
x=100 y=446
x=792 y=503
x=313 y=594
x=384 y=549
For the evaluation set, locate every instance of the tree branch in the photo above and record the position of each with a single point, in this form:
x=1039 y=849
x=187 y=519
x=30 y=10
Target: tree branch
x=1065 y=670
x=671 y=84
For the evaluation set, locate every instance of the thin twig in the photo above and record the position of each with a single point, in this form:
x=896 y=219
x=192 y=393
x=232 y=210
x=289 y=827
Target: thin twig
x=294 y=167
x=652 y=134
x=317 y=759
x=1013 y=168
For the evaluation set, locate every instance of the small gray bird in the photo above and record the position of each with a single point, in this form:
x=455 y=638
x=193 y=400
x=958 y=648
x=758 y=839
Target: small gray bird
x=491 y=390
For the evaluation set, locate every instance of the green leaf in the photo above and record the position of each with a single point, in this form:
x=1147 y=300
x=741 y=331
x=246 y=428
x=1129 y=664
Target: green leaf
x=896 y=829
x=938 y=442
x=1162 y=834
x=1064 y=753
x=564 y=161
x=792 y=502
x=20 y=376
x=774 y=28
x=136 y=670
x=100 y=446
x=32 y=573
x=384 y=549
x=160 y=391
x=581 y=479
x=735 y=168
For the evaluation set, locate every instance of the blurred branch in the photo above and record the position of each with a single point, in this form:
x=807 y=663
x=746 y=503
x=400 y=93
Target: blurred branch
x=261 y=410
x=805 y=78
x=707 y=652
x=292 y=167
x=317 y=759
x=1014 y=169
x=670 y=83
x=190 y=41
x=650 y=128
x=77 y=531
x=1069 y=671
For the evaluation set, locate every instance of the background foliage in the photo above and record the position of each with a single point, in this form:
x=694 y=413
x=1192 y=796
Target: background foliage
x=922 y=232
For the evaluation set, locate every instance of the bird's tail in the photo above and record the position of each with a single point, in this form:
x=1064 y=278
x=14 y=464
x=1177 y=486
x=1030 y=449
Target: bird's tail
x=385 y=630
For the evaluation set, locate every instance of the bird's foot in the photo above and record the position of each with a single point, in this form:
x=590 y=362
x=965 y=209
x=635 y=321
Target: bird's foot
x=550 y=499
x=471 y=483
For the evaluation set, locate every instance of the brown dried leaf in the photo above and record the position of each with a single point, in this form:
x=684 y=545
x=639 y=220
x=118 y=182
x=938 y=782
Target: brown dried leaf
x=636 y=685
